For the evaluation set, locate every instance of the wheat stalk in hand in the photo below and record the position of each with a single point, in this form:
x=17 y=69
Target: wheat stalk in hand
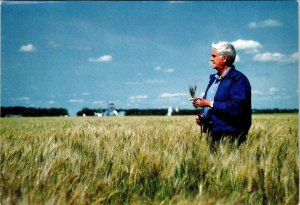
x=192 y=90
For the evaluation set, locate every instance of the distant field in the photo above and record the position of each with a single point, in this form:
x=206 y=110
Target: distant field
x=145 y=160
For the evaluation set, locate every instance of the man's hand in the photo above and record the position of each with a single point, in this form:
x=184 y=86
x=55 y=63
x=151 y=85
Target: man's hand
x=199 y=102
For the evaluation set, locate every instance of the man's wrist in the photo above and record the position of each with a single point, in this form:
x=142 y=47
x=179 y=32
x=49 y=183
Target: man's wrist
x=211 y=104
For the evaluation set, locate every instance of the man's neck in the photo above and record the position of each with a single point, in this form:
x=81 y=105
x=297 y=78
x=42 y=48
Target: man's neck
x=222 y=71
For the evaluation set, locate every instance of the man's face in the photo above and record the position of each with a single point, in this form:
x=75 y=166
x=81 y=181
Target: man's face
x=217 y=60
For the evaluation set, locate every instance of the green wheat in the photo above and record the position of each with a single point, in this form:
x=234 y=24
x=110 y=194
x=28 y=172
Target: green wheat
x=145 y=160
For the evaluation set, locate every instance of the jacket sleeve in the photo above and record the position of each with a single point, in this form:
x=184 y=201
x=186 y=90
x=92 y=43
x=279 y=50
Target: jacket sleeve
x=239 y=97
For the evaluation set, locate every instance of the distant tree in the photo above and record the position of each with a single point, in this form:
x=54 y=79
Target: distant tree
x=276 y=110
x=145 y=112
x=186 y=112
x=86 y=111
x=32 y=112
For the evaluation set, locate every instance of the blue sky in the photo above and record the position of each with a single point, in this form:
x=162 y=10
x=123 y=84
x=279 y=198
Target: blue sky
x=143 y=54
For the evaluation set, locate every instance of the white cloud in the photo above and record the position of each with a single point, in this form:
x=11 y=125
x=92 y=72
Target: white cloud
x=137 y=98
x=51 y=102
x=27 y=48
x=276 y=57
x=257 y=92
x=169 y=70
x=164 y=70
x=285 y=97
x=27 y=2
x=157 y=68
x=271 y=91
x=247 y=45
x=148 y=81
x=154 y=81
x=275 y=90
x=268 y=57
x=295 y=57
x=98 y=102
x=237 y=59
x=76 y=101
x=85 y=93
x=170 y=95
x=104 y=58
x=24 y=98
x=265 y=23
x=174 y=2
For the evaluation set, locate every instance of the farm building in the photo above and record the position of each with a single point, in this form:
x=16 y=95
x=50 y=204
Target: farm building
x=110 y=111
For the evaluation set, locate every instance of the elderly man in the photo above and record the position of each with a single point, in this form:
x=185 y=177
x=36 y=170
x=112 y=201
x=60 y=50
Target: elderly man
x=227 y=100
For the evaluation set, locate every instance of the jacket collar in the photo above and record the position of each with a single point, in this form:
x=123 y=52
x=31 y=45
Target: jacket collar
x=230 y=74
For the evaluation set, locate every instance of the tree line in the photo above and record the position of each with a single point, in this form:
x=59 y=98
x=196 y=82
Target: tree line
x=276 y=110
x=32 y=112
x=162 y=112
x=138 y=112
x=39 y=112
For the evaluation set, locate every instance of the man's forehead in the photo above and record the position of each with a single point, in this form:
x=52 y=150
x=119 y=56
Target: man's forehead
x=214 y=51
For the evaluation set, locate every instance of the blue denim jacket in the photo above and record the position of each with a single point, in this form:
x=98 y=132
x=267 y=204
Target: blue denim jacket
x=231 y=111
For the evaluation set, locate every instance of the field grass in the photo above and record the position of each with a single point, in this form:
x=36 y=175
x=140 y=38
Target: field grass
x=145 y=160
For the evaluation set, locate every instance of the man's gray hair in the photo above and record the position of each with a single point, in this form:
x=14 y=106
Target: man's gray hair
x=226 y=48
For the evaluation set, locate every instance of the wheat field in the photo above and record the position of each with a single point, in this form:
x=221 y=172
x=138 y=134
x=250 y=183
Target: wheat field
x=145 y=160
